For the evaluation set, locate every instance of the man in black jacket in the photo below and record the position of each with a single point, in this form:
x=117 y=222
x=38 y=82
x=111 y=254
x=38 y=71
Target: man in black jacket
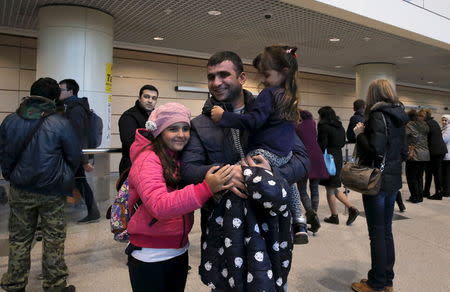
x=135 y=118
x=40 y=169
x=437 y=148
x=359 y=106
x=77 y=111
x=212 y=145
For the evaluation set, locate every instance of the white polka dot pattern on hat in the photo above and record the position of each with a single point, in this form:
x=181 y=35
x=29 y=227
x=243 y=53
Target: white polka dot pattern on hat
x=219 y=220
x=248 y=172
x=228 y=204
x=225 y=272
x=238 y=262
x=259 y=256
x=271 y=182
x=257 y=179
x=249 y=278
x=208 y=266
x=237 y=222
x=256 y=196
x=227 y=242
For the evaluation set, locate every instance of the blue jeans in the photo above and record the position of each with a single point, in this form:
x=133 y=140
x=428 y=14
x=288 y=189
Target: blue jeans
x=379 y=211
x=313 y=202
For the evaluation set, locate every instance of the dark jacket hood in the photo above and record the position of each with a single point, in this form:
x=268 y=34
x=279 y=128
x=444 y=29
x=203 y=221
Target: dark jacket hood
x=34 y=107
x=74 y=100
x=395 y=111
x=212 y=101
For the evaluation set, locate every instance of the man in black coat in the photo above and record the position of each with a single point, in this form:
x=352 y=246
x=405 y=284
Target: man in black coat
x=359 y=106
x=437 y=148
x=134 y=118
x=212 y=145
x=39 y=153
x=77 y=111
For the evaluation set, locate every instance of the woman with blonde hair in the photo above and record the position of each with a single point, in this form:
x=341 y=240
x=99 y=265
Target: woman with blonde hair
x=381 y=143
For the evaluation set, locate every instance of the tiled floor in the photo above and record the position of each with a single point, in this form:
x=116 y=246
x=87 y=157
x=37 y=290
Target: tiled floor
x=333 y=259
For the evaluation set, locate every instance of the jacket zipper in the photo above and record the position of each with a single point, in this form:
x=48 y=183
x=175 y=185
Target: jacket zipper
x=184 y=230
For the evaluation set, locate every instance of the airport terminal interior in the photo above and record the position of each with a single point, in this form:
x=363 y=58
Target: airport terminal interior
x=112 y=48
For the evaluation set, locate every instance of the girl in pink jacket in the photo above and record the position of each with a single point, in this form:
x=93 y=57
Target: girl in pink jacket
x=158 y=230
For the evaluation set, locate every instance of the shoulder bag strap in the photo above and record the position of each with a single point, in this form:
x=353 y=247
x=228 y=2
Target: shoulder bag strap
x=28 y=140
x=383 y=163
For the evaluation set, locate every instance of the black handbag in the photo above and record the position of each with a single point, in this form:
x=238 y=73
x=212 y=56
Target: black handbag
x=363 y=179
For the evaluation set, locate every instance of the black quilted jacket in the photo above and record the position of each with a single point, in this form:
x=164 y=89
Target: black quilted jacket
x=248 y=243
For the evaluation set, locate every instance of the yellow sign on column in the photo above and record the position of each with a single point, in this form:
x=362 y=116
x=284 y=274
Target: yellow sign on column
x=108 y=79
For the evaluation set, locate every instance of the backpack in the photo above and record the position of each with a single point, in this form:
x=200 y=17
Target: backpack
x=120 y=213
x=95 y=132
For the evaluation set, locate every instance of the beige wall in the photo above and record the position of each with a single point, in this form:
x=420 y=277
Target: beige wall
x=132 y=69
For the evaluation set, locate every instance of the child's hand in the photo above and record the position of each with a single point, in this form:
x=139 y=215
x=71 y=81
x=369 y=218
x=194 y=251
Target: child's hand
x=216 y=113
x=216 y=179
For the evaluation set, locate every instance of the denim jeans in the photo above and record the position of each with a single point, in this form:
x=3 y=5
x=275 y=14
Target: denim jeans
x=379 y=211
x=313 y=202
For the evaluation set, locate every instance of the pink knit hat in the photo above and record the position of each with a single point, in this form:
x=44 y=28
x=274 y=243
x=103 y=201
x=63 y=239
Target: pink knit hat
x=165 y=115
x=447 y=117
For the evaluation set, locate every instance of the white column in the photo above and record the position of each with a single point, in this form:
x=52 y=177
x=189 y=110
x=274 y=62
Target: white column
x=366 y=73
x=77 y=42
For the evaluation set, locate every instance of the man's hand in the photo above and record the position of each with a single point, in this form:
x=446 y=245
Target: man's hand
x=358 y=129
x=216 y=113
x=256 y=161
x=237 y=180
x=88 y=167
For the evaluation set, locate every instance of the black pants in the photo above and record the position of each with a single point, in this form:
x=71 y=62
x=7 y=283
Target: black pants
x=446 y=177
x=414 y=177
x=85 y=190
x=162 y=276
x=433 y=169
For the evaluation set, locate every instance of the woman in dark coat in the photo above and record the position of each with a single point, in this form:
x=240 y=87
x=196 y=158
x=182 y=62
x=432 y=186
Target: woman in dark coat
x=306 y=130
x=418 y=155
x=331 y=137
x=381 y=138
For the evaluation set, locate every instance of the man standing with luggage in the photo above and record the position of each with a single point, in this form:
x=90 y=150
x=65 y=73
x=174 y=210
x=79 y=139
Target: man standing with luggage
x=77 y=111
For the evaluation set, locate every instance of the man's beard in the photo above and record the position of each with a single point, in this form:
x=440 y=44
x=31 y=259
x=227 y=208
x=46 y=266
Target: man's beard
x=233 y=95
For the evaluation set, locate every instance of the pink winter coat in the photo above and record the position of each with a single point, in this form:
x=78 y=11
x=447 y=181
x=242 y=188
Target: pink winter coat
x=172 y=209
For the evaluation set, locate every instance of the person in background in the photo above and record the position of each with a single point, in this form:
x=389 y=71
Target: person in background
x=446 y=162
x=331 y=137
x=135 y=118
x=359 y=106
x=306 y=130
x=438 y=150
x=39 y=153
x=77 y=111
x=158 y=229
x=271 y=120
x=418 y=155
x=384 y=115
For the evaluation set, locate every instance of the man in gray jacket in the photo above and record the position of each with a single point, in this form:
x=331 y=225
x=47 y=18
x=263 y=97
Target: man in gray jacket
x=39 y=154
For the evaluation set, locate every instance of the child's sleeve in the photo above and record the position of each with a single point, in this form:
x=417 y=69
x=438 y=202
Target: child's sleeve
x=252 y=121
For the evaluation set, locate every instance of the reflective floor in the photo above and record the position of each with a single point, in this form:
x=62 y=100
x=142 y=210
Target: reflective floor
x=333 y=259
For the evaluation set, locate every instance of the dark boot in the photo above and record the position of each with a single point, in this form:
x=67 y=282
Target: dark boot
x=352 y=214
x=400 y=204
x=92 y=216
x=313 y=219
x=333 y=219
x=437 y=196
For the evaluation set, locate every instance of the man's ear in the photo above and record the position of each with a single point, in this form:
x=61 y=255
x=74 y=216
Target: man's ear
x=242 y=78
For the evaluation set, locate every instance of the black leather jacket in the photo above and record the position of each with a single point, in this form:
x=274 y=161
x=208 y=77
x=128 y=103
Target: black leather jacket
x=49 y=161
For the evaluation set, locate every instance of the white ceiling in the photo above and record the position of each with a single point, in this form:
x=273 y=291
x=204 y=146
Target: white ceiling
x=242 y=28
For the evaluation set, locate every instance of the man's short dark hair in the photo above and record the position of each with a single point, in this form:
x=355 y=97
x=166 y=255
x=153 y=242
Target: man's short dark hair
x=46 y=87
x=359 y=104
x=71 y=85
x=220 y=57
x=148 y=87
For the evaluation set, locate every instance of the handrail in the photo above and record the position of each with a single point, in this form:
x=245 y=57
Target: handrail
x=102 y=150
